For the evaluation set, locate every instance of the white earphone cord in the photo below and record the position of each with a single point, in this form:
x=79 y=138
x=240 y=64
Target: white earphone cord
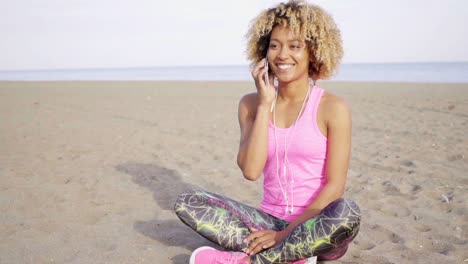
x=289 y=207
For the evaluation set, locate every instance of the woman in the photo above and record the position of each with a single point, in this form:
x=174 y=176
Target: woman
x=299 y=137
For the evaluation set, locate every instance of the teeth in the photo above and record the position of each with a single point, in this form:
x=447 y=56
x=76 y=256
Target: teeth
x=284 y=66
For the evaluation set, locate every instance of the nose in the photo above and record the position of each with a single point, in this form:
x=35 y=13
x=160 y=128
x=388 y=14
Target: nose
x=283 y=53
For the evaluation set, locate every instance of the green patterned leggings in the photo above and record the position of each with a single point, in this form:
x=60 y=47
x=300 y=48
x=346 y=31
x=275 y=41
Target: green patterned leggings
x=226 y=223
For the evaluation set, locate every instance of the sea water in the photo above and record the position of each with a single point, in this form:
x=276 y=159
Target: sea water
x=447 y=72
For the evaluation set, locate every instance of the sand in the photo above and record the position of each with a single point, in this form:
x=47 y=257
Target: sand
x=89 y=171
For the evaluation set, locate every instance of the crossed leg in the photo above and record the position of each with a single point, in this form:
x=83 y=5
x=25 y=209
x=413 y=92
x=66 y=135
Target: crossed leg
x=227 y=223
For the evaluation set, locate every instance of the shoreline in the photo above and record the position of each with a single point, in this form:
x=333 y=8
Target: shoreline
x=4 y=83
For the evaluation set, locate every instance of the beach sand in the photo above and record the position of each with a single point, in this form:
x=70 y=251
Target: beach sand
x=89 y=171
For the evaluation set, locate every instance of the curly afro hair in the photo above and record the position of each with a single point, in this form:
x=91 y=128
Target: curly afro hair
x=308 y=22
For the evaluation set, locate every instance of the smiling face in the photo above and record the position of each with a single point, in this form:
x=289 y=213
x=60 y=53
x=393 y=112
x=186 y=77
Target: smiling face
x=288 y=56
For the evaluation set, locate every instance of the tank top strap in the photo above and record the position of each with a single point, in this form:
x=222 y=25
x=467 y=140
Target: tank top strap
x=314 y=101
x=312 y=108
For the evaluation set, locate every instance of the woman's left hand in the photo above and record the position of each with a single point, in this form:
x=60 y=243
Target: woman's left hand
x=260 y=240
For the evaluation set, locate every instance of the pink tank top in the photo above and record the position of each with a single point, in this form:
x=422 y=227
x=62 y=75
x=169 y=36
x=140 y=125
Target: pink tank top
x=305 y=164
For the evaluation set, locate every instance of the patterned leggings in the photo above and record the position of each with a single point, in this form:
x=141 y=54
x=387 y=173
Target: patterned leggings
x=226 y=223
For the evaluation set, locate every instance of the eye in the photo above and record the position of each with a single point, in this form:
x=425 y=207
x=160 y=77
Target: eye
x=274 y=46
x=295 y=46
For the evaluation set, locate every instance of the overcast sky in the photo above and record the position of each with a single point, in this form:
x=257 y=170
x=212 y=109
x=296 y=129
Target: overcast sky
x=55 y=34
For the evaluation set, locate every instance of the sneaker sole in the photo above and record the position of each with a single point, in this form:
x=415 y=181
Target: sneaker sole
x=194 y=253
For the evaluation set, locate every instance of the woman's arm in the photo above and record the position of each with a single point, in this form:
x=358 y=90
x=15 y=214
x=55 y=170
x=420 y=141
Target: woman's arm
x=253 y=123
x=254 y=115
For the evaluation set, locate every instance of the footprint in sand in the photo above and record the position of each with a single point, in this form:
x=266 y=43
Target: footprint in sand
x=390 y=189
x=373 y=259
x=455 y=157
x=442 y=247
x=423 y=228
x=411 y=191
x=92 y=217
x=430 y=245
x=364 y=245
x=391 y=236
x=416 y=189
x=182 y=164
x=394 y=210
x=408 y=163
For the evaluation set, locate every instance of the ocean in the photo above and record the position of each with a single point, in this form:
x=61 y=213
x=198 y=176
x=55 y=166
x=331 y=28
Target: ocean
x=446 y=72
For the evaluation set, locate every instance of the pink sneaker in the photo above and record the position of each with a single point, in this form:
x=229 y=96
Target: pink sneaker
x=209 y=255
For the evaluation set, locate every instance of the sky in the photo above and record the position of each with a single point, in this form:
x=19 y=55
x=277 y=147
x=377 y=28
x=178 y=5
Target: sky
x=78 y=34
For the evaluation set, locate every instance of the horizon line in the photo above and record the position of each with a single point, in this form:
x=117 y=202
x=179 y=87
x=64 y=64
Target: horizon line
x=212 y=65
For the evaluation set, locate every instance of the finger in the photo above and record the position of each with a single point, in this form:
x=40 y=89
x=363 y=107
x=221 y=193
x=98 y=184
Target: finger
x=260 y=65
x=257 y=69
x=251 y=236
x=248 y=240
x=268 y=244
x=262 y=62
x=257 y=244
x=259 y=247
x=266 y=77
x=252 y=239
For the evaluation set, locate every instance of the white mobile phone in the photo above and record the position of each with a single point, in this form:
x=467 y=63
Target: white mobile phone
x=267 y=81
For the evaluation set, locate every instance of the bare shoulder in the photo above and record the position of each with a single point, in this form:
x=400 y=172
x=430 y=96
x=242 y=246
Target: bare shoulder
x=332 y=102
x=334 y=107
x=250 y=99
x=248 y=104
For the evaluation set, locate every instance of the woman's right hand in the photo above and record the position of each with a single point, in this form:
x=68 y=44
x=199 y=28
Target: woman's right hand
x=266 y=92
